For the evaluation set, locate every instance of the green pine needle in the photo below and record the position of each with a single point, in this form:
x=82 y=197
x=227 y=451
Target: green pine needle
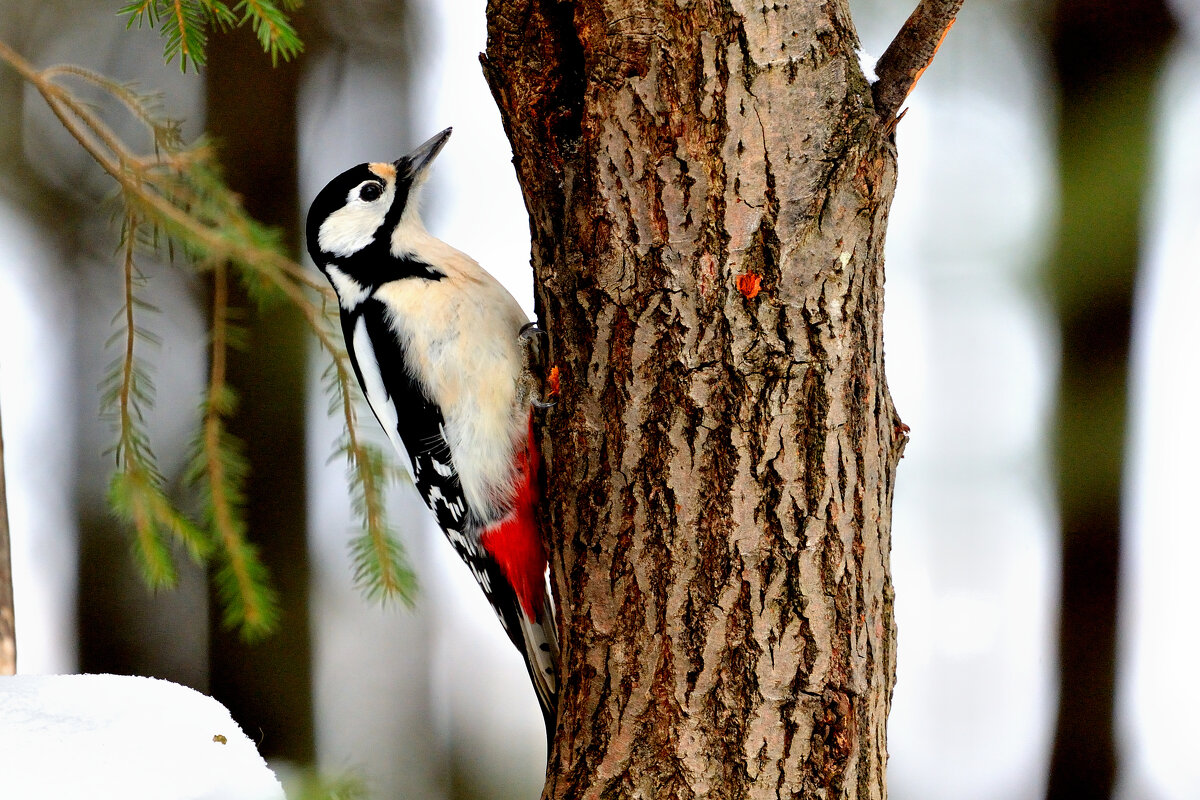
x=250 y=605
x=270 y=24
x=218 y=471
x=184 y=26
x=136 y=490
x=130 y=495
x=380 y=566
x=174 y=202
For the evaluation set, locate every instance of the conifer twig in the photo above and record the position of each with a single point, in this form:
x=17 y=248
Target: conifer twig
x=380 y=566
x=184 y=25
x=177 y=192
x=131 y=173
x=133 y=470
x=137 y=490
x=8 y=619
x=250 y=605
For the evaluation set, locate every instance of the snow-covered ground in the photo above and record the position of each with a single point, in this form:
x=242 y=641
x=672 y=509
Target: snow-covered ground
x=65 y=737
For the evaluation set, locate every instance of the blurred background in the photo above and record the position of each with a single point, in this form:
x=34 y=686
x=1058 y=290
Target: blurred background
x=1040 y=332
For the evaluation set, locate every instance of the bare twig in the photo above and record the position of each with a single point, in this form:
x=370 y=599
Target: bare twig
x=910 y=53
x=8 y=626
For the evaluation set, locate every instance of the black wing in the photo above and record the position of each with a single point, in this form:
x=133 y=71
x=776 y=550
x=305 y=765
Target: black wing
x=417 y=427
x=394 y=394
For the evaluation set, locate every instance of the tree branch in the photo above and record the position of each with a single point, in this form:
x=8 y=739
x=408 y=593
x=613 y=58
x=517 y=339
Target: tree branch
x=901 y=65
x=8 y=632
x=176 y=191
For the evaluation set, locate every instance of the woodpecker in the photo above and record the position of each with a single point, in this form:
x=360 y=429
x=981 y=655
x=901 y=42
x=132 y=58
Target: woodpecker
x=437 y=345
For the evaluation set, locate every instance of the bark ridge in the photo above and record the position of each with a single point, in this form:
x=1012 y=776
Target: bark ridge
x=708 y=187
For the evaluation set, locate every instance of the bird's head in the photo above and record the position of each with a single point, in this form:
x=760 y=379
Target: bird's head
x=358 y=214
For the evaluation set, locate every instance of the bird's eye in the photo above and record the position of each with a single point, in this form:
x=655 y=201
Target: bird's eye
x=370 y=192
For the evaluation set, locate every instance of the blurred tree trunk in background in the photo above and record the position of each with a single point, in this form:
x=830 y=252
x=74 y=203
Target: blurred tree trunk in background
x=267 y=686
x=1107 y=57
x=708 y=192
x=123 y=627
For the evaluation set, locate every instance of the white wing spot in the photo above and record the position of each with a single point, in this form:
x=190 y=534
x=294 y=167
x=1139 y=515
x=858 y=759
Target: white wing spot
x=481 y=577
x=374 y=389
x=538 y=649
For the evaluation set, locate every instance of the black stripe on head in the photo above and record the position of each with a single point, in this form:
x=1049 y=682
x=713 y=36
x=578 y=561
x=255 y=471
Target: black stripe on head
x=374 y=264
x=383 y=237
x=379 y=251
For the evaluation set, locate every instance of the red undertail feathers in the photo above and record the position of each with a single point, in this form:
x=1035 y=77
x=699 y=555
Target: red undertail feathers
x=513 y=541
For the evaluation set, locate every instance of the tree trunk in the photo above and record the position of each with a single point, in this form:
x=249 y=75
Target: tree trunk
x=708 y=185
x=267 y=686
x=1107 y=58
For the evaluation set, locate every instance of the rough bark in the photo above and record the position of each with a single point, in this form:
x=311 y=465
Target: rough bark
x=909 y=54
x=708 y=186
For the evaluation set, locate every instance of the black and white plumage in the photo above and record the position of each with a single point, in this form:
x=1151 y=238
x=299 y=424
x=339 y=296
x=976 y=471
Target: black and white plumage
x=435 y=344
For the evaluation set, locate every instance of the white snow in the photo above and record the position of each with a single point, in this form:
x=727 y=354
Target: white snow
x=866 y=62
x=112 y=736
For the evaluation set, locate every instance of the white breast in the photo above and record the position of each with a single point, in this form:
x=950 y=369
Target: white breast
x=461 y=339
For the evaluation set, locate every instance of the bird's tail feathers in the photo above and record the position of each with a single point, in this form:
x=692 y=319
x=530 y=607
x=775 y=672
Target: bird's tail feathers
x=541 y=658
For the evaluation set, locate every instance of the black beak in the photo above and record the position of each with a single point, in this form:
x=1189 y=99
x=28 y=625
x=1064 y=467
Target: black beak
x=415 y=163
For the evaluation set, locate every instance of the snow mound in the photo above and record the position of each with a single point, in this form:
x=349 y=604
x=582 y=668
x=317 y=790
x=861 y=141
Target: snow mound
x=113 y=736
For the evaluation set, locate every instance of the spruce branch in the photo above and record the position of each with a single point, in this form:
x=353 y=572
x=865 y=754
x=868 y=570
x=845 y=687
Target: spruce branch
x=219 y=468
x=137 y=490
x=381 y=568
x=178 y=190
x=379 y=564
x=271 y=25
x=175 y=199
x=184 y=25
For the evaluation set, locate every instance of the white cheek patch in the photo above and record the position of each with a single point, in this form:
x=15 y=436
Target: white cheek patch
x=349 y=229
x=353 y=226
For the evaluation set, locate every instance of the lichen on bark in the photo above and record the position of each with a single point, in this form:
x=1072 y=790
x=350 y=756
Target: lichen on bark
x=708 y=187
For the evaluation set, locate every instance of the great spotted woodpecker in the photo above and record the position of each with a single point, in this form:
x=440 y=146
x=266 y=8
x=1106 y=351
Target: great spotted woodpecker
x=437 y=346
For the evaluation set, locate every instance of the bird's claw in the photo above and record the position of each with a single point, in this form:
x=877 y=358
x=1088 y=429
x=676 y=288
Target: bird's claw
x=530 y=330
x=531 y=336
